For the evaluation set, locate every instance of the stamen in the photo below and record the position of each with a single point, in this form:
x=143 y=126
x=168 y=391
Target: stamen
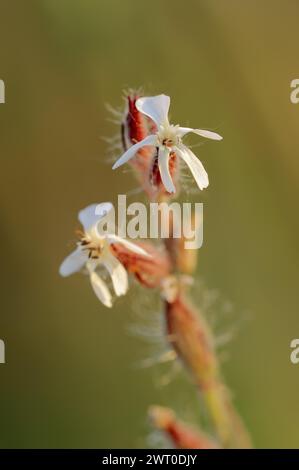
x=94 y=248
x=167 y=142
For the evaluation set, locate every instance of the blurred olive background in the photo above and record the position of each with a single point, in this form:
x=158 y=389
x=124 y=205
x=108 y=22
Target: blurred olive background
x=70 y=379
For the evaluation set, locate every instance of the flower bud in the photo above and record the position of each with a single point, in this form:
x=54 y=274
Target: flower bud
x=184 y=260
x=192 y=341
x=149 y=271
x=135 y=127
x=181 y=435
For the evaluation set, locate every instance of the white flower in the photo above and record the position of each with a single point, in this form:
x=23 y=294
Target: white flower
x=93 y=250
x=168 y=139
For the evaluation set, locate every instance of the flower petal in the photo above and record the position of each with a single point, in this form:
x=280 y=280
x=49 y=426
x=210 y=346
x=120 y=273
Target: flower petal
x=163 y=163
x=127 y=244
x=100 y=289
x=196 y=167
x=149 y=140
x=156 y=107
x=91 y=215
x=73 y=263
x=118 y=274
x=203 y=133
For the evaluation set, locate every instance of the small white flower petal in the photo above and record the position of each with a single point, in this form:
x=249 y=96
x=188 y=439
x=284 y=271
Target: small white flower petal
x=196 y=167
x=92 y=214
x=73 y=263
x=203 y=133
x=127 y=244
x=207 y=134
x=118 y=274
x=184 y=130
x=149 y=140
x=156 y=107
x=163 y=163
x=100 y=289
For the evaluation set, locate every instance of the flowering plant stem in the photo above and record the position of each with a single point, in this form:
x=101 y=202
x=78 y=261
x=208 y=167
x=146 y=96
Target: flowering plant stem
x=186 y=328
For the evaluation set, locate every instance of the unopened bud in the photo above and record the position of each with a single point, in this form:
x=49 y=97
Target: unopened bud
x=192 y=341
x=184 y=260
x=151 y=270
x=181 y=435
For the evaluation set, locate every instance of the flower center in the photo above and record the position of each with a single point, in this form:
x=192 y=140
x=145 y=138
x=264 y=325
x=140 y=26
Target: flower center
x=168 y=142
x=168 y=136
x=93 y=246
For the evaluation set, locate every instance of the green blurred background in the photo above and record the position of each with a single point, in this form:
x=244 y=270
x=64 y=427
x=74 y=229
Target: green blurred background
x=70 y=378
